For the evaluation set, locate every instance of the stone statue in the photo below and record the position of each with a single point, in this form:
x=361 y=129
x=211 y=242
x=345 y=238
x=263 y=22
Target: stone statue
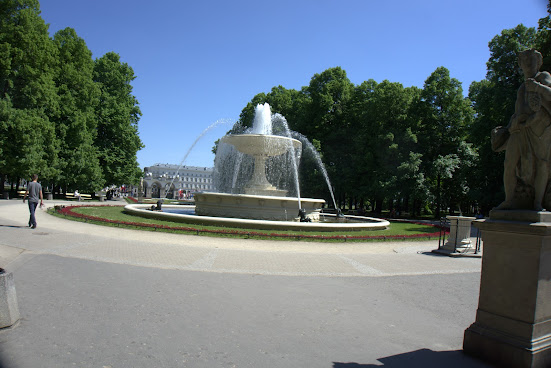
x=140 y=189
x=527 y=140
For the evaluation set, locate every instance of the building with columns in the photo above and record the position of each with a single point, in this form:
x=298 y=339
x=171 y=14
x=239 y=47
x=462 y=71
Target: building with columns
x=165 y=180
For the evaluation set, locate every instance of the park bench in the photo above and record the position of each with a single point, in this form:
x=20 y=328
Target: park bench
x=83 y=197
x=21 y=194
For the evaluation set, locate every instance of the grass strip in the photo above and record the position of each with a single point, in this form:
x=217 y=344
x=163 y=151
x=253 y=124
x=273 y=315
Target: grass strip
x=115 y=216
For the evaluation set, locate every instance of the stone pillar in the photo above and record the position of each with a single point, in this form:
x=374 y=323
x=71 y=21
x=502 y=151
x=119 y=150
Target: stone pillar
x=459 y=240
x=513 y=319
x=147 y=191
x=9 y=311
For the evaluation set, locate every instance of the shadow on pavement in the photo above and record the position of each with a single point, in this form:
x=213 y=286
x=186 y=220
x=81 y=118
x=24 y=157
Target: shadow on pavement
x=14 y=226
x=432 y=254
x=425 y=358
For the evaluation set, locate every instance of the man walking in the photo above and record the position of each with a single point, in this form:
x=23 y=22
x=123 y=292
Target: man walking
x=34 y=191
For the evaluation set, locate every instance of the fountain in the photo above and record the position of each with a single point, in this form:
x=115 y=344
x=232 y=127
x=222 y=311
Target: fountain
x=257 y=198
x=256 y=175
x=260 y=147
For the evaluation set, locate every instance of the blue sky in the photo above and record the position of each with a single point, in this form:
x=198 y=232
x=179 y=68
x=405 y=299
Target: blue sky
x=197 y=62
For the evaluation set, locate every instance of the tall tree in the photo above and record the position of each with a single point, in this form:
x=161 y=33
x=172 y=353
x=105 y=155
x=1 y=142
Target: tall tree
x=385 y=143
x=447 y=116
x=359 y=115
x=27 y=91
x=117 y=121
x=75 y=119
x=325 y=120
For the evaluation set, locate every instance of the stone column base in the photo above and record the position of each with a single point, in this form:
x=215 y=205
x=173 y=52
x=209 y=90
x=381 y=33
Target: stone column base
x=513 y=319
x=506 y=350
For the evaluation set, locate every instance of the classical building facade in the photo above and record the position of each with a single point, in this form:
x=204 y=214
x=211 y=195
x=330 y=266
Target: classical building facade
x=165 y=180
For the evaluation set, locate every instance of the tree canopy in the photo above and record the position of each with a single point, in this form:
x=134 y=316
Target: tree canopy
x=421 y=150
x=69 y=118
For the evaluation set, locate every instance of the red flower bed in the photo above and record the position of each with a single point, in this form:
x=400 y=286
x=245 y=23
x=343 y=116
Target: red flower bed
x=68 y=211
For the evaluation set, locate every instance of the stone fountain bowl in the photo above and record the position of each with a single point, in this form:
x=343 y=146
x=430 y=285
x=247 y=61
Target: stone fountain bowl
x=368 y=223
x=261 y=145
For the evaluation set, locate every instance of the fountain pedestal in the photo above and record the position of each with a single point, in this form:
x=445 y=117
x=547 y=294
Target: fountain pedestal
x=261 y=147
x=259 y=184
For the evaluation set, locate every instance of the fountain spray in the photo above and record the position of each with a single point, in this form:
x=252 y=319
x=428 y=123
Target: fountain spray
x=213 y=125
x=319 y=162
x=281 y=118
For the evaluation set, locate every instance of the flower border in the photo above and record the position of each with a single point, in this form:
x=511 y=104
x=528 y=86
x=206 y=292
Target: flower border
x=68 y=211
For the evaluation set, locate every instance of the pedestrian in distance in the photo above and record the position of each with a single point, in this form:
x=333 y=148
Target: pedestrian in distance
x=34 y=191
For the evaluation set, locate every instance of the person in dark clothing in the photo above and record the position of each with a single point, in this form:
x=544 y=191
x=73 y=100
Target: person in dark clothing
x=34 y=191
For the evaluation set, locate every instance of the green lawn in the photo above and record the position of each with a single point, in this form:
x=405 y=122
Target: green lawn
x=116 y=213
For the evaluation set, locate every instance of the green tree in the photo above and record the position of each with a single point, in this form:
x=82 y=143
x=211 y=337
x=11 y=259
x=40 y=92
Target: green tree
x=325 y=120
x=385 y=144
x=26 y=138
x=543 y=39
x=446 y=117
x=27 y=92
x=75 y=119
x=117 y=117
x=503 y=68
x=455 y=171
x=360 y=117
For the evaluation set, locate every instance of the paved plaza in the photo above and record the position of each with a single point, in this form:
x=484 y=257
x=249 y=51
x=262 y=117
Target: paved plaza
x=95 y=296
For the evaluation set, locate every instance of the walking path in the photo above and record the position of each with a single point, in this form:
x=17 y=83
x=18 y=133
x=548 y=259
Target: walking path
x=103 y=297
x=198 y=253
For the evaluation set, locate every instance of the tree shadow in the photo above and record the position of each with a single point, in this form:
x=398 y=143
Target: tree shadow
x=423 y=358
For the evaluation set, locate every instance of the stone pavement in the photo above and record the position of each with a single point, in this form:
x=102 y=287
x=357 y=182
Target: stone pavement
x=94 y=296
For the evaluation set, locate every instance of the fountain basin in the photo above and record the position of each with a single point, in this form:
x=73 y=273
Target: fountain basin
x=364 y=223
x=255 y=207
x=261 y=145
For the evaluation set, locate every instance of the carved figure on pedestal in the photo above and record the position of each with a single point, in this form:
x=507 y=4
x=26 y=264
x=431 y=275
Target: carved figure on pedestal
x=527 y=139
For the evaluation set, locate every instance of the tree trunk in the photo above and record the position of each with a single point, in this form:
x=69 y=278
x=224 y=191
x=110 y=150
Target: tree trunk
x=378 y=206
x=438 y=197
